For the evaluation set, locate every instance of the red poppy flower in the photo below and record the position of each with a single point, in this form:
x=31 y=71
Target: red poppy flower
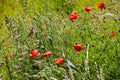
x=48 y=53
x=33 y=53
x=87 y=9
x=78 y=47
x=112 y=33
x=101 y=5
x=59 y=61
x=73 y=16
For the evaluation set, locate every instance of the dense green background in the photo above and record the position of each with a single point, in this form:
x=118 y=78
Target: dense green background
x=53 y=31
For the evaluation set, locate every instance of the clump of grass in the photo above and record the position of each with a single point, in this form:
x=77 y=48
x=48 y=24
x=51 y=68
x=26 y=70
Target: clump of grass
x=46 y=29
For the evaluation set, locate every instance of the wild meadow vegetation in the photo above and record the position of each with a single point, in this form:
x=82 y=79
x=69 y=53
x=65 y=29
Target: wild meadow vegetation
x=59 y=40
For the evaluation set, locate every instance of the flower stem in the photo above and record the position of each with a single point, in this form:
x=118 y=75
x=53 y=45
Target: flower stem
x=86 y=62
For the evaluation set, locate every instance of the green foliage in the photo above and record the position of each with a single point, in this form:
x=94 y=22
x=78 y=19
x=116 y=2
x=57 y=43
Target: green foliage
x=44 y=25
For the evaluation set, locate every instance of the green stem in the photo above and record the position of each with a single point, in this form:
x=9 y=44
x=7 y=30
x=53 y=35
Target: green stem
x=8 y=68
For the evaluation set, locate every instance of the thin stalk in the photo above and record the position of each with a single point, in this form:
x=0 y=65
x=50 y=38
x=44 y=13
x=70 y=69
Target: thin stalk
x=71 y=73
x=86 y=62
x=8 y=68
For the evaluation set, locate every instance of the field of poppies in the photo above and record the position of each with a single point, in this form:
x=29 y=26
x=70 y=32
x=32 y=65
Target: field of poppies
x=59 y=40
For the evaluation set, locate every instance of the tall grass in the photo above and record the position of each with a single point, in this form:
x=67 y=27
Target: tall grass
x=44 y=25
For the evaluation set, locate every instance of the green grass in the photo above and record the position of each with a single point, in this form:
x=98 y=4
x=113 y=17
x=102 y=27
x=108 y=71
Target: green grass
x=52 y=30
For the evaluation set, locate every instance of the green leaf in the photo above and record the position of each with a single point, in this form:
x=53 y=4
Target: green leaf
x=72 y=65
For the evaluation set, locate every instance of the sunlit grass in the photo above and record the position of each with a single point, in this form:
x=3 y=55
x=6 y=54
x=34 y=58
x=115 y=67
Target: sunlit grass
x=46 y=27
